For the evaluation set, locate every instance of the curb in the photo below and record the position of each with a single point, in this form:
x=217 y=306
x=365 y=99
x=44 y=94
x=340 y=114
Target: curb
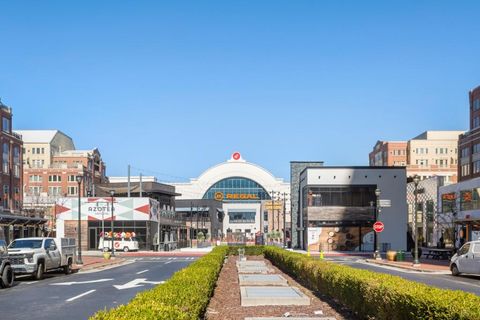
x=100 y=266
x=402 y=266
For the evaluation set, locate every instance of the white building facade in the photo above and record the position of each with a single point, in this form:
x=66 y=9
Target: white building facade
x=242 y=187
x=338 y=207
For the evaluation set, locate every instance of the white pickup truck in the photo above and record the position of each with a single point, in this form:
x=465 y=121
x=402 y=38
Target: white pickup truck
x=35 y=256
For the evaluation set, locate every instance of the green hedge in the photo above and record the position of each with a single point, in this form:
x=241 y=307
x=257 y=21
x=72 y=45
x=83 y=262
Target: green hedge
x=377 y=295
x=185 y=296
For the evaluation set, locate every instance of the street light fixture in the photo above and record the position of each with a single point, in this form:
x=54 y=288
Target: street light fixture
x=79 y=227
x=416 y=180
x=112 y=193
x=377 y=254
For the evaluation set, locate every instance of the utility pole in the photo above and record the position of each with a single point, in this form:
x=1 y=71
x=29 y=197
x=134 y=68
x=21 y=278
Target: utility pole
x=128 y=182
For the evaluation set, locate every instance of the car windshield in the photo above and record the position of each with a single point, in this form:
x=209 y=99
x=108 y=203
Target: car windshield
x=25 y=243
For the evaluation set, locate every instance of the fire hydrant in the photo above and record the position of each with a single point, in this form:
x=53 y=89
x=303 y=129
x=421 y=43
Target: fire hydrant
x=321 y=255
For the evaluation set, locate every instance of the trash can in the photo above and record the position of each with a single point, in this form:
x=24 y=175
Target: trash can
x=400 y=256
x=391 y=255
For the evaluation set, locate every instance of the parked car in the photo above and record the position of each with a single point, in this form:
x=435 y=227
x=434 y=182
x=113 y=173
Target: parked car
x=121 y=244
x=7 y=276
x=467 y=259
x=35 y=256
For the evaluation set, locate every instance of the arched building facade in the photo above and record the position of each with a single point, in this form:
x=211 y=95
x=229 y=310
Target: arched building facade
x=246 y=191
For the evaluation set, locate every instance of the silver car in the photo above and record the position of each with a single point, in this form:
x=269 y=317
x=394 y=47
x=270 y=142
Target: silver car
x=467 y=259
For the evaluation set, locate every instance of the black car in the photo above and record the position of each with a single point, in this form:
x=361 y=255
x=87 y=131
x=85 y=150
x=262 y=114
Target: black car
x=7 y=276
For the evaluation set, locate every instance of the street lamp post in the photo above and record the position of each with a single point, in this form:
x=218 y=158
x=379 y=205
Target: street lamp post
x=79 y=227
x=284 y=222
x=416 y=180
x=112 y=193
x=377 y=254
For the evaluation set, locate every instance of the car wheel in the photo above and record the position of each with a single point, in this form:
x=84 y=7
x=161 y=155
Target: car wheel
x=68 y=268
x=125 y=249
x=8 y=276
x=39 y=274
x=455 y=271
x=106 y=249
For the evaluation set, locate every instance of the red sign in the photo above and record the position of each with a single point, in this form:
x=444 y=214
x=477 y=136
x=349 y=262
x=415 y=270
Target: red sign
x=236 y=156
x=378 y=226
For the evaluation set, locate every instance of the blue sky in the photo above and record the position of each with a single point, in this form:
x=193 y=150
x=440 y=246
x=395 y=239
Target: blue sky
x=175 y=87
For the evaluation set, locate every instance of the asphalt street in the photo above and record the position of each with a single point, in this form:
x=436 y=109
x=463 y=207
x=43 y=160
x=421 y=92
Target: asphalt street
x=79 y=296
x=444 y=281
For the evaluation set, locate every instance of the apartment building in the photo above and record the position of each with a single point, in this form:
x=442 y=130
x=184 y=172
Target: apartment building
x=469 y=143
x=388 y=154
x=432 y=153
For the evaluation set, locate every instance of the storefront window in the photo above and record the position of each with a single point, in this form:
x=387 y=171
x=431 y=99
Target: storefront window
x=466 y=200
x=448 y=202
x=352 y=196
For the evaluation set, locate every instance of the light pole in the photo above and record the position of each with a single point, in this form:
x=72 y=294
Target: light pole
x=377 y=254
x=112 y=193
x=416 y=180
x=79 y=227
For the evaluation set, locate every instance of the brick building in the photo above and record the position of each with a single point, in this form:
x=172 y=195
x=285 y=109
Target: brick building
x=389 y=154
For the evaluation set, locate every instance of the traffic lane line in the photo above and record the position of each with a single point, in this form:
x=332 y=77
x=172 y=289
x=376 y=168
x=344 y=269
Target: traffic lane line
x=140 y=272
x=80 y=295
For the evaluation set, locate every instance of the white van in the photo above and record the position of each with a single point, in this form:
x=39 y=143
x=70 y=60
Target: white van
x=121 y=244
x=467 y=259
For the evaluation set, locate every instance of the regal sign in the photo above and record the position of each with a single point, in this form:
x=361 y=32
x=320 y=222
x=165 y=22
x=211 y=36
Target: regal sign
x=219 y=196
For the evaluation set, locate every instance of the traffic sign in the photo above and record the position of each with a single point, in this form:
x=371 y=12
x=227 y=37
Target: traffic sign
x=385 y=203
x=378 y=226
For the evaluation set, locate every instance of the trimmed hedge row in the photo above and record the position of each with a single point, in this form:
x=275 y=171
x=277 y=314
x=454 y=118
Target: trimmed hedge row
x=377 y=295
x=185 y=296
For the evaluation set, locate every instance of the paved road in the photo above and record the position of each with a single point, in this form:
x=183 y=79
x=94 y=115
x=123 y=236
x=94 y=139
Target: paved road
x=79 y=296
x=444 y=281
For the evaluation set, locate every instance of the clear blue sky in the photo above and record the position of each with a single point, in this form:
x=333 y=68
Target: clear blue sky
x=175 y=87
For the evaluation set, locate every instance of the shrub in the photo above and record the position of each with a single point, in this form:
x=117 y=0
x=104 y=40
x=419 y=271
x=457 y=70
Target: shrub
x=185 y=296
x=377 y=295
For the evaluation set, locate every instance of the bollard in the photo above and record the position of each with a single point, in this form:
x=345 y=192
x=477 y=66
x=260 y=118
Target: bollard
x=308 y=252
x=321 y=255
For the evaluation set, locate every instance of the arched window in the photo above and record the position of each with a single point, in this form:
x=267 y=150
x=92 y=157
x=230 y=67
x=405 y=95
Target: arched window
x=236 y=189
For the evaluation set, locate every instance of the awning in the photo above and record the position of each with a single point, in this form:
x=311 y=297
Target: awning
x=11 y=219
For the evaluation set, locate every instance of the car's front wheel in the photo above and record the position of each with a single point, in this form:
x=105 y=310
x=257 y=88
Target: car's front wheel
x=39 y=274
x=7 y=277
x=454 y=270
x=125 y=249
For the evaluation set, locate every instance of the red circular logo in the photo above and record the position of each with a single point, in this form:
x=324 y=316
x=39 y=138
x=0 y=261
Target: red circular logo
x=236 y=156
x=378 y=226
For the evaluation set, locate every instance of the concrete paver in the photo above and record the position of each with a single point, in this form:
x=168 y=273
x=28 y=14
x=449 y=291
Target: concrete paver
x=262 y=280
x=273 y=296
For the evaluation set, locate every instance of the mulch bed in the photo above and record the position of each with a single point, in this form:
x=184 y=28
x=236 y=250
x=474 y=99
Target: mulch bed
x=226 y=302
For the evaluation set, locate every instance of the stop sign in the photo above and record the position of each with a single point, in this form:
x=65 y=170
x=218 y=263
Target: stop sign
x=378 y=226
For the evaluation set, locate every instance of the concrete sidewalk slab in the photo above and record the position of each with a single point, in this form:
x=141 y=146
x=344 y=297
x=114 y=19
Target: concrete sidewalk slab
x=254 y=270
x=272 y=296
x=262 y=280
x=251 y=263
x=406 y=265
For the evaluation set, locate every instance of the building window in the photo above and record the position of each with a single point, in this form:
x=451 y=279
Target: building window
x=465 y=152
x=465 y=171
x=54 y=191
x=72 y=178
x=36 y=178
x=476 y=167
x=476 y=104
x=16 y=161
x=241 y=217
x=72 y=191
x=35 y=191
x=5 y=125
x=54 y=178
x=265 y=216
x=476 y=122
x=6 y=158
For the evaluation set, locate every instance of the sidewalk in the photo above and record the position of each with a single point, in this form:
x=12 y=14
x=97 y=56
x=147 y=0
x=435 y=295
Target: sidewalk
x=183 y=252
x=97 y=262
x=426 y=265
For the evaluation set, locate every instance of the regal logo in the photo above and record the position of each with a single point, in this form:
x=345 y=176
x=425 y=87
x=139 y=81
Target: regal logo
x=219 y=196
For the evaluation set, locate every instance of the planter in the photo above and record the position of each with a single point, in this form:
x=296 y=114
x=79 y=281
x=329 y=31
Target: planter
x=107 y=255
x=391 y=255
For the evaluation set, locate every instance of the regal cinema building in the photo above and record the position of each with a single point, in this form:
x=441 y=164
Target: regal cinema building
x=254 y=200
